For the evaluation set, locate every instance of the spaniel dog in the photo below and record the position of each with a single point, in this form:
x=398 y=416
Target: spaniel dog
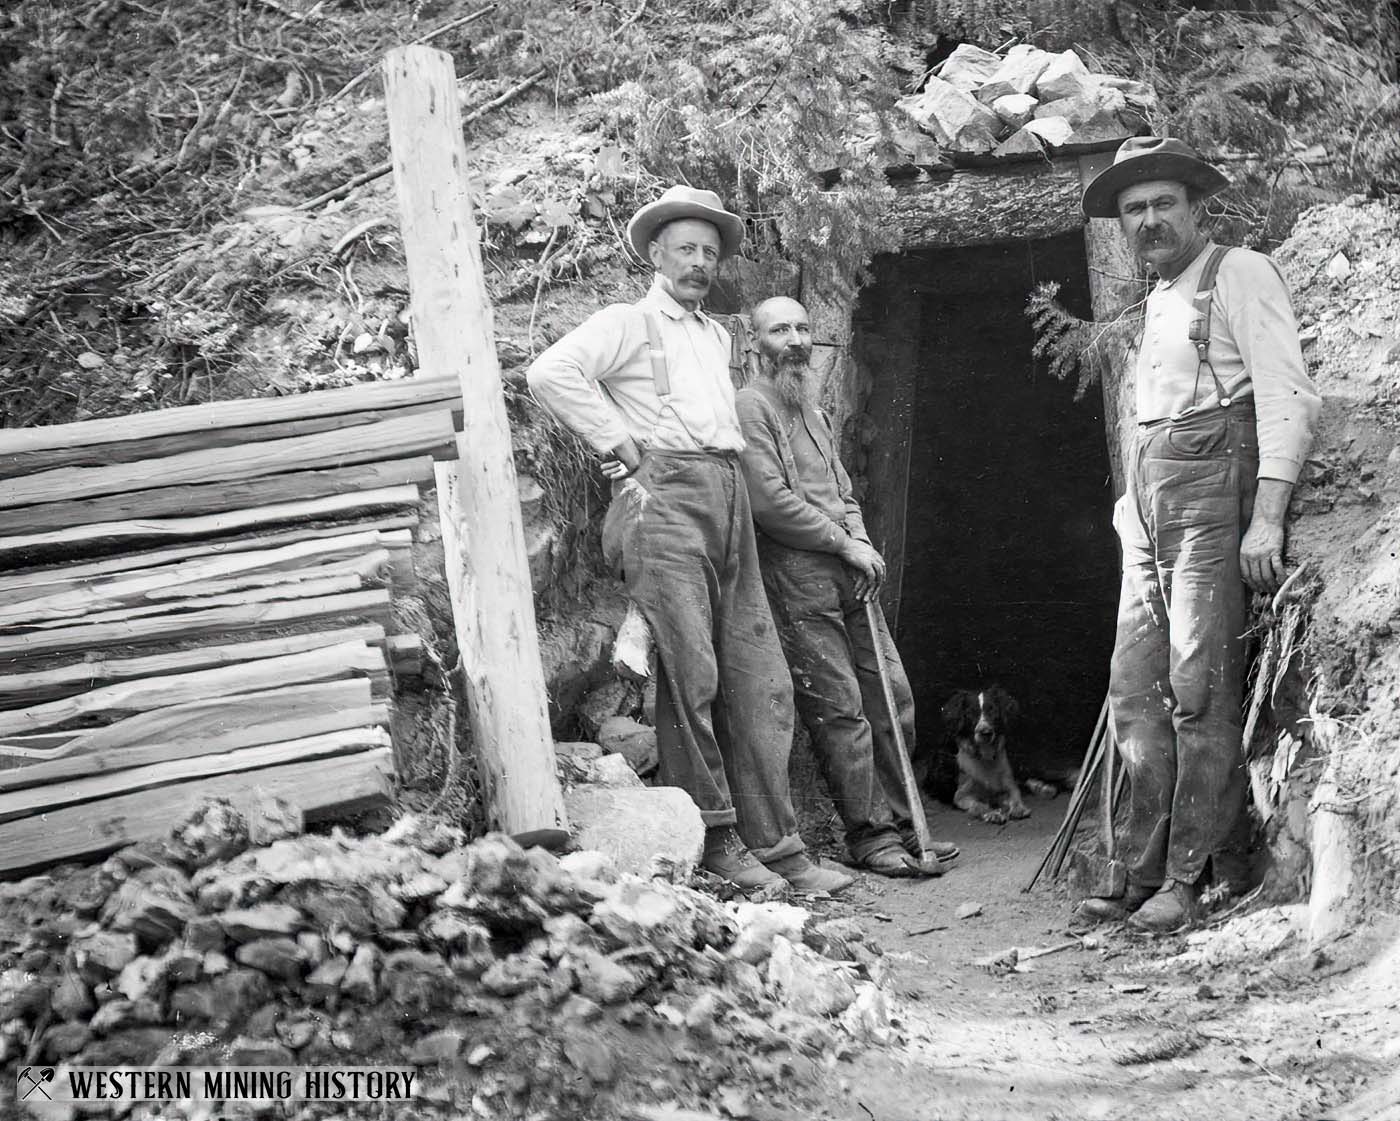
x=978 y=723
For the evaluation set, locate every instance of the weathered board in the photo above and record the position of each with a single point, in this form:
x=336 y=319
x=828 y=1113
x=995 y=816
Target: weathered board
x=318 y=787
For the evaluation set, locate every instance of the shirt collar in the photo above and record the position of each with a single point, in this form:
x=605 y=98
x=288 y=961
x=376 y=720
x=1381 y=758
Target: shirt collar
x=1189 y=270
x=666 y=303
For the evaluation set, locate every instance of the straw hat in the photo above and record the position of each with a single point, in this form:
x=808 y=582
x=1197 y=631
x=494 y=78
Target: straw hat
x=1142 y=159
x=685 y=202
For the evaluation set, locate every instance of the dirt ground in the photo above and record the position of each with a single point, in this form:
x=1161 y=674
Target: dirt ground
x=1264 y=1028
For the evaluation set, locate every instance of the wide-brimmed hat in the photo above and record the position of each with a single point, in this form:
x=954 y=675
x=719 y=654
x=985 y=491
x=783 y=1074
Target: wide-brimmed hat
x=1141 y=159
x=685 y=202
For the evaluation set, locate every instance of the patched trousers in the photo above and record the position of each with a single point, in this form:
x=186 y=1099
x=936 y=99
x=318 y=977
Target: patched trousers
x=724 y=714
x=834 y=658
x=1176 y=686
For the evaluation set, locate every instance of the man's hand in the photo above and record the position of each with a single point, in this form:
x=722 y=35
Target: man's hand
x=626 y=458
x=1261 y=550
x=869 y=568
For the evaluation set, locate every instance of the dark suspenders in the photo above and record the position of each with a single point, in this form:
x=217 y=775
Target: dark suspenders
x=1200 y=325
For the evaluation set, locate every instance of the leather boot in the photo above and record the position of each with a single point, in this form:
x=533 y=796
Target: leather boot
x=728 y=857
x=1099 y=908
x=805 y=876
x=945 y=852
x=1171 y=910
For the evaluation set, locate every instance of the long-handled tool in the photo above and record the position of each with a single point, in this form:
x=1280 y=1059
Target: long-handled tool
x=1112 y=879
x=901 y=750
x=1059 y=845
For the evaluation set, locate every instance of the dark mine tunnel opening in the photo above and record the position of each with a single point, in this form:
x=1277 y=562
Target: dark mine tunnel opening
x=988 y=488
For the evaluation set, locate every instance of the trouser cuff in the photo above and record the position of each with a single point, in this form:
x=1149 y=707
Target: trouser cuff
x=863 y=843
x=790 y=845
x=714 y=818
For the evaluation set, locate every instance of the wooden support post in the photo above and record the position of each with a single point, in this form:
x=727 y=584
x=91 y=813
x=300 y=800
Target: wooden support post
x=452 y=322
x=1115 y=284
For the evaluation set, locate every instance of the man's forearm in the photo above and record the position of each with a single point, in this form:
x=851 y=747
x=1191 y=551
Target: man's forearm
x=1271 y=501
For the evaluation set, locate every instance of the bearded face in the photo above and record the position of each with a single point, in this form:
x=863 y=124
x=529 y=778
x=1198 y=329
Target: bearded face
x=784 y=336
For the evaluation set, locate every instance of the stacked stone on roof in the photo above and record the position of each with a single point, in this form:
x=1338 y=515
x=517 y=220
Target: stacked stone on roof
x=1027 y=102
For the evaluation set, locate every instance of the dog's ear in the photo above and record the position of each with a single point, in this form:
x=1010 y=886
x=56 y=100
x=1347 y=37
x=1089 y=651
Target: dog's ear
x=957 y=709
x=1005 y=704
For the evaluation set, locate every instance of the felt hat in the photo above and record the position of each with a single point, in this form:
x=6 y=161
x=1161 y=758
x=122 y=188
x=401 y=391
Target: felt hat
x=685 y=202
x=1142 y=159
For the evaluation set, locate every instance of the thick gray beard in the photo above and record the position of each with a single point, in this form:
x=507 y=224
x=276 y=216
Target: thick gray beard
x=793 y=389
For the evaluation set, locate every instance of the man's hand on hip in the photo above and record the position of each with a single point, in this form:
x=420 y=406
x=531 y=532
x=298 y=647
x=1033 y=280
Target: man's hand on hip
x=1261 y=550
x=869 y=568
x=625 y=459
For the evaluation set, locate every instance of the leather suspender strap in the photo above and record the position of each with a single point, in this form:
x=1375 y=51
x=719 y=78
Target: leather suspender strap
x=1200 y=323
x=660 y=376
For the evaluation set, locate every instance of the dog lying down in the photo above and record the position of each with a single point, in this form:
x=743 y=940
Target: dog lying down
x=978 y=722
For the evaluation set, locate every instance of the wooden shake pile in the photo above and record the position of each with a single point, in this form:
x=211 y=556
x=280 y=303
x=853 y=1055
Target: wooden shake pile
x=198 y=601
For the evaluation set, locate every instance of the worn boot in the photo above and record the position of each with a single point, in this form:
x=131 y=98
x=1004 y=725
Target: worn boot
x=1100 y=908
x=945 y=852
x=805 y=876
x=1172 y=909
x=728 y=857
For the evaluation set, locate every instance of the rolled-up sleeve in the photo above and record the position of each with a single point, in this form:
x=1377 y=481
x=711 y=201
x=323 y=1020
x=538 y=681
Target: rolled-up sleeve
x=778 y=510
x=564 y=379
x=1286 y=403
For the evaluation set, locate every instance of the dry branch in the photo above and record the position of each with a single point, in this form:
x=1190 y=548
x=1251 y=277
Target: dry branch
x=383 y=169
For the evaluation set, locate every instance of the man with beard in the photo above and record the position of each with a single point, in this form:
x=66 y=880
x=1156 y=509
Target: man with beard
x=648 y=386
x=1225 y=414
x=819 y=570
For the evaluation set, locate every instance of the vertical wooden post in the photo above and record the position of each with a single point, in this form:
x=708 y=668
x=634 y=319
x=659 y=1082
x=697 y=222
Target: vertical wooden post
x=1113 y=287
x=452 y=323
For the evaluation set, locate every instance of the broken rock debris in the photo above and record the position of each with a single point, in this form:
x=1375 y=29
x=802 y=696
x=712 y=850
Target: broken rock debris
x=979 y=102
x=416 y=946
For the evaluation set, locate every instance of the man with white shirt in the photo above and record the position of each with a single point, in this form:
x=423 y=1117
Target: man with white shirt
x=1225 y=414
x=648 y=386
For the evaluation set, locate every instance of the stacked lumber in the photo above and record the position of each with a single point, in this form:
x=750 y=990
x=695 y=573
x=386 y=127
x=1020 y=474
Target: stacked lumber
x=201 y=599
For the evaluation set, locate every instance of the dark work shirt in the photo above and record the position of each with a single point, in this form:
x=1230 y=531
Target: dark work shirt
x=800 y=493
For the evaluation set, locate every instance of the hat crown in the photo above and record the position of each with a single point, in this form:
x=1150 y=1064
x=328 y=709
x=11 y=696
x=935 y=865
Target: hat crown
x=693 y=195
x=1135 y=147
x=679 y=202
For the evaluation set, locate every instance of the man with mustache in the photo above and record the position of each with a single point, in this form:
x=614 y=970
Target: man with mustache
x=1225 y=413
x=819 y=569
x=648 y=386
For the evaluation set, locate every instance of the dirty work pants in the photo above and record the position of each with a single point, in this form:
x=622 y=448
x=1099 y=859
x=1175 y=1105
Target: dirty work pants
x=723 y=696
x=836 y=685
x=1176 y=686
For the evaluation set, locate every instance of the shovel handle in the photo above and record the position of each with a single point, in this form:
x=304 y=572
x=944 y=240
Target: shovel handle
x=901 y=749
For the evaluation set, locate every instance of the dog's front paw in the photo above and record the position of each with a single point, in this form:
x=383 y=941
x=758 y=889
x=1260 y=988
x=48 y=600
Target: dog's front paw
x=995 y=817
x=1041 y=789
x=1019 y=812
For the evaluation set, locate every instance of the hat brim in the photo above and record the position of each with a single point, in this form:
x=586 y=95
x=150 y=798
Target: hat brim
x=645 y=222
x=1101 y=196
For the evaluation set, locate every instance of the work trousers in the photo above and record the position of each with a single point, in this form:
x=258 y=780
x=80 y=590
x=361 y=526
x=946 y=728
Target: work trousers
x=724 y=713
x=834 y=658
x=1176 y=686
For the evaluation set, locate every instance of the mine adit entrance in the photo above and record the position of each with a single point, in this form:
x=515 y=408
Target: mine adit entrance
x=988 y=489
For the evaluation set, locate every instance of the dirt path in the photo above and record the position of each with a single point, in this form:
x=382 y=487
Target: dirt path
x=1264 y=1032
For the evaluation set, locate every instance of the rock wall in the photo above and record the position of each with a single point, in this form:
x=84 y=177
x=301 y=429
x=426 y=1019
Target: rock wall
x=1338 y=825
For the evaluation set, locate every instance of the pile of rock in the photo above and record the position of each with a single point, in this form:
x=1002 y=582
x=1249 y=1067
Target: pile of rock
x=1024 y=102
x=521 y=979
